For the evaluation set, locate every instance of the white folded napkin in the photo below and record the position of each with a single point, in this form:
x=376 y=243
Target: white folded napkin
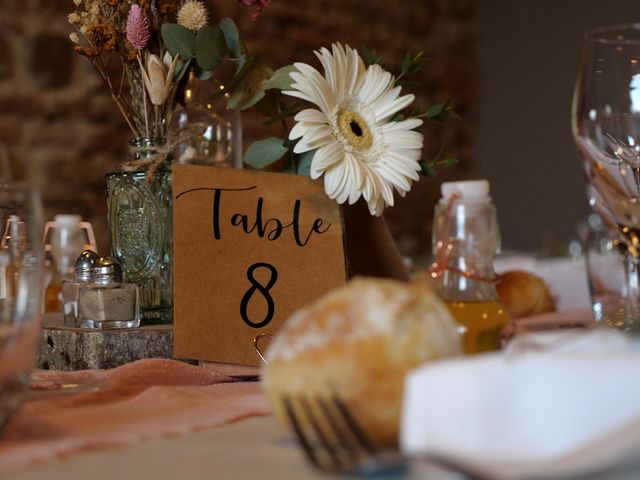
x=551 y=404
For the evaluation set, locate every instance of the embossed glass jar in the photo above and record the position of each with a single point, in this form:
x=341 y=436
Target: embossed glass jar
x=139 y=214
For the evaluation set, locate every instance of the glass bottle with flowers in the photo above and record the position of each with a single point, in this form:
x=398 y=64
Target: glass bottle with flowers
x=159 y=44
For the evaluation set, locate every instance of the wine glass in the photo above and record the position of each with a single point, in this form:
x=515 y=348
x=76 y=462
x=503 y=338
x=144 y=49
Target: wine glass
x=20 y=291
x=606 y=130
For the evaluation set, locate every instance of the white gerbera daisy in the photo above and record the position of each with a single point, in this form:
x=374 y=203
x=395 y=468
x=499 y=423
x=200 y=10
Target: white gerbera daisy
x=359 y=150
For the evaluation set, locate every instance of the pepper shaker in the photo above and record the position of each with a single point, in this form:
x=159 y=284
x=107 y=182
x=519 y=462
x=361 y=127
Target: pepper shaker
x=108 y=302
x=83 y=275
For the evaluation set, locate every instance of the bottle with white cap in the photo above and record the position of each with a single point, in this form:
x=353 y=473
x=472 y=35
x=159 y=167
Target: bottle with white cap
x=466 y=238
x=66 y=244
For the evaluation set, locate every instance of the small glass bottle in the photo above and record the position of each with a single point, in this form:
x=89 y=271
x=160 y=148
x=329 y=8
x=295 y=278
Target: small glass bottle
x=466 y=238
x=66 y=244
x=107 y=302
x=83 y=275
x=17 y=241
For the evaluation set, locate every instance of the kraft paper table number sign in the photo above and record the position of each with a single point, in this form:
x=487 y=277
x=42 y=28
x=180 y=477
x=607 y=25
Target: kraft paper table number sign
x=250 y=248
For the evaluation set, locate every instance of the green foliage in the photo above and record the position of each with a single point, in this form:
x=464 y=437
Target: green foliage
x=280 y=80
x=304 y=163
x=235 y=46
x=210 y=47
x=250 y=90
x=265 y=152
x=179 y=40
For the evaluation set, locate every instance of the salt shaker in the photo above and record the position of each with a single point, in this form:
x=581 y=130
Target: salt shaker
x=70 y=288
x=108 y=302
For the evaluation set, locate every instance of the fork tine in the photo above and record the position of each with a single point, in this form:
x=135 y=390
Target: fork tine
x=302 y=438
x=339 y=430
x=360 y=436
x=321 y=434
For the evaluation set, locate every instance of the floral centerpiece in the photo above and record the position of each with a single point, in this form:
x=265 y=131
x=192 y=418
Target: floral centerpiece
x=145 y=51
x=351 y=122
x=351 y=127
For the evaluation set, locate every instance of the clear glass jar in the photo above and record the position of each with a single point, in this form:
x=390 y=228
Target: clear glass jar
x=139 y=214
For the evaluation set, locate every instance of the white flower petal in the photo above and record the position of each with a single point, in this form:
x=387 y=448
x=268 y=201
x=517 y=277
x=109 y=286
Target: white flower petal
x=375 y=82
x=406 y=139
x=389 y=104
x=311 y=115
x=317 y=134
x=408 y=124
x=335 y=180
x=325 y=157
x=298 y=130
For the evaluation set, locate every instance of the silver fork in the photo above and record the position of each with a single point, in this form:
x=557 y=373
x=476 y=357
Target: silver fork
x=333 y=441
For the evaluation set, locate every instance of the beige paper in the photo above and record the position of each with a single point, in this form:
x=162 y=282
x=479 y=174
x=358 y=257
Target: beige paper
x=249 y=249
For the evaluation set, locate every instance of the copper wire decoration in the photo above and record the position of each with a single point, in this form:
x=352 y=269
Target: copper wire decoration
x=445 y=245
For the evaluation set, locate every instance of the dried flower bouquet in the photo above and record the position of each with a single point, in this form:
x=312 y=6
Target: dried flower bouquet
x=157 y=43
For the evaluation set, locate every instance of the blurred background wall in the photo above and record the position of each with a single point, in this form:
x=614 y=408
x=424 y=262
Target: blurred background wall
x=528 y=57
x=509 y=67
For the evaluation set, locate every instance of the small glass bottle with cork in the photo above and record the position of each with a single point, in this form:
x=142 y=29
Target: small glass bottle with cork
x=466 y=238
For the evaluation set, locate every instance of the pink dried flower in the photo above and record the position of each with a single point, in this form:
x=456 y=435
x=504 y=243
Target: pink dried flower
x=137 y=28
x=258 y=4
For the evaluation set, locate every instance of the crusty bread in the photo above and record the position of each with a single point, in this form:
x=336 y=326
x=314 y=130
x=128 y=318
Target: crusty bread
x=357 y=343
x=524 y=294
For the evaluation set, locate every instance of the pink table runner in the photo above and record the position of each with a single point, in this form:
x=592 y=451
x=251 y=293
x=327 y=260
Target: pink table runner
x=141 y=401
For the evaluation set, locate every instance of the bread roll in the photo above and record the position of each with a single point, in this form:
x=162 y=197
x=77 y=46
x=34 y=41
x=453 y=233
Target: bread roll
x=358 y=342
x=524 y=294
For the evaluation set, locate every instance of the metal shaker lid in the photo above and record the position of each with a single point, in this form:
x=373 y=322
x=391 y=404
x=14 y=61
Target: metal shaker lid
x=107 y=271
x=84 y=265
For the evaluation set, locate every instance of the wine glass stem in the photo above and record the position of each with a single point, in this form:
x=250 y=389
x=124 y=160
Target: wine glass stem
x=632 y=300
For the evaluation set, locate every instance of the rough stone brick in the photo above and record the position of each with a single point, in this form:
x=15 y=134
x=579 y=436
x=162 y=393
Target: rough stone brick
x=51 y=60
x=6 y=59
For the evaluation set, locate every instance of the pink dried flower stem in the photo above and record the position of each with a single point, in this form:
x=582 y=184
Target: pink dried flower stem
x=138 y=35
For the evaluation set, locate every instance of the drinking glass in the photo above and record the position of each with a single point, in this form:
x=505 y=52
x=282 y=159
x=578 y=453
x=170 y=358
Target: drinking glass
x=606 y=130
x=21 y=295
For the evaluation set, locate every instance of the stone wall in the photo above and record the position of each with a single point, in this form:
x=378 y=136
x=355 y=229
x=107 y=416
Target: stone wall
x=63 y=133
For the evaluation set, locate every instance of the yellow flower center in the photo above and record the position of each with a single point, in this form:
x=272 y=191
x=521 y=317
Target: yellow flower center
x=356 y=131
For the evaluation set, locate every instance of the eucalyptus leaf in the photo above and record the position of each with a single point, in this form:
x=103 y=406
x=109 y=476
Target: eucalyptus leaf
x=250 y=90
x=265 y=152
x=179 y=40
x=181 y=68
x=280 y=80
x=210 y=47
x=450 y=161
x=203 y=74
x=304 y=165
x=231 y=34
x=454 y=115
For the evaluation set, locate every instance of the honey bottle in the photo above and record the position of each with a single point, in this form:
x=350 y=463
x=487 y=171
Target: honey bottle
x=466 y=238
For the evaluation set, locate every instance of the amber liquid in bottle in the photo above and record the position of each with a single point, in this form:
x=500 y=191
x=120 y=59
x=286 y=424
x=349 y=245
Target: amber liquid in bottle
x=480 y=323
x=53 y=297
x=13 y=276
